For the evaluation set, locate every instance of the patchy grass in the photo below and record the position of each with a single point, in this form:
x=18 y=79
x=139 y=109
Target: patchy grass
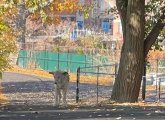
x=141 y=104
x=153 y=87
x=103 y=80
x=105 y=102
x=40 y=73
x=3 y=98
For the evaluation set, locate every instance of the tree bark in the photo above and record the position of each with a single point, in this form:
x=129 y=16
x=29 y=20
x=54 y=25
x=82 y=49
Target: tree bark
x=122 y=9
x=21 y=23
x=127 y=84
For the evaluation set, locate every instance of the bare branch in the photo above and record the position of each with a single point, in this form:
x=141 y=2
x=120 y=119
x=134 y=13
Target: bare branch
x=152 y=36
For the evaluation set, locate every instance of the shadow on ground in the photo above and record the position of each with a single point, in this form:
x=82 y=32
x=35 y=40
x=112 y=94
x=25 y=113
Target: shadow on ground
x=21 y=112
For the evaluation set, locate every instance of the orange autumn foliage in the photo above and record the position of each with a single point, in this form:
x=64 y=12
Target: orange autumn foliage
x=156 y=54
x=53 y=10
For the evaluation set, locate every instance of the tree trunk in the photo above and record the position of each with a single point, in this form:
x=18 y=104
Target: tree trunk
x=127 y=84
x=21 y=23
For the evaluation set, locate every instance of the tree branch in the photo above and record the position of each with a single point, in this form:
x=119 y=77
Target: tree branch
x=122 y=8
x=152 y=36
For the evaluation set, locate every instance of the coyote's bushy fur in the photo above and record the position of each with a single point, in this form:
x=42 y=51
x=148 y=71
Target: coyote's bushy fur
x=61 y=83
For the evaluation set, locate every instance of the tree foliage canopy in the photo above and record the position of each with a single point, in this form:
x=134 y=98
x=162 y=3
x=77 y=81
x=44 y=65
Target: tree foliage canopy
x=46 y=10
x=153 y=11
x=7 y=37
x=50 y=11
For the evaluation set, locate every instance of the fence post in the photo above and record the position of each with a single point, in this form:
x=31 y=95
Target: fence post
x=143 y=87
x=116 y=65
x=92 y=58
x=77 y=87
x=97 y=84
x=159 y=89
x=58 y=61
x=157 y=78
x=85 y=63
x=144 y=82
x=68 y=60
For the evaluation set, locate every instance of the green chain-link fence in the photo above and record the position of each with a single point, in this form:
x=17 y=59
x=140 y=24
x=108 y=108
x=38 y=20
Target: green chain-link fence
x=52 y=61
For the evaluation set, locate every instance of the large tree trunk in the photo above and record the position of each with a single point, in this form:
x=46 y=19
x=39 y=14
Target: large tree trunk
x=127 y=84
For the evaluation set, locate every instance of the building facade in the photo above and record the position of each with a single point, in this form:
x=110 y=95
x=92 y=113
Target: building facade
x=102 y=20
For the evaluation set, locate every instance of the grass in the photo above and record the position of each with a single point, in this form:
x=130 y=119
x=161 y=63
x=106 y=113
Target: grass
x=103 y=80
x=140 y=104
x=153 y=87
x=3 y=98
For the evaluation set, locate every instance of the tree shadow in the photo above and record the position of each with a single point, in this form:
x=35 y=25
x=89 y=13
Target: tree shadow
x=45 y=112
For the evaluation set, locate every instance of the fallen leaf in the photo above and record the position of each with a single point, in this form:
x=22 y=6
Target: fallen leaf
x=148 y=114
x=114 y=109
x=118 y=118
x=157 y=111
